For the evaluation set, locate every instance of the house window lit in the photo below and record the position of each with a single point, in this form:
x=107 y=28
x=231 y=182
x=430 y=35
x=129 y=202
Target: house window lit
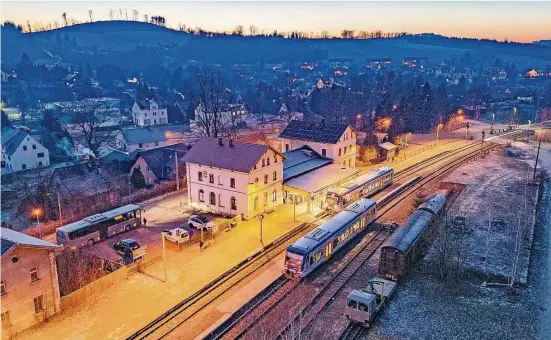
x=232 y=182
x=201 y=195
x=233 y=203
x=34 y=274
x=200 y=176
x=212 y=198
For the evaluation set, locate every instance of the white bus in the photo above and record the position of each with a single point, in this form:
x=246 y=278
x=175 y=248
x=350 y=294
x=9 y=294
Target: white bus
x=362 y=186
x=98 y=227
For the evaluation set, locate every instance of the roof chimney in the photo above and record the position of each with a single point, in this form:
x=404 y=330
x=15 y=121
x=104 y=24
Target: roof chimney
x=220 y=141
x=231 y=143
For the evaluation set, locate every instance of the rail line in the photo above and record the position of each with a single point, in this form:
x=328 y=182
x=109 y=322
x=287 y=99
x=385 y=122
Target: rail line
x=184 y=310
x=352 y=332
x=244 y=326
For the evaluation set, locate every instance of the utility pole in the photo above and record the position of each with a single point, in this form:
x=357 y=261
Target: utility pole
x=537 y=157
x=59 y=207
x=176 y=165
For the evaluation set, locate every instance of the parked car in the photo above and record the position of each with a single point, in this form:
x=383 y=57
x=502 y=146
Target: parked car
x=130 y=248
x=177 y=235
x=200 y=222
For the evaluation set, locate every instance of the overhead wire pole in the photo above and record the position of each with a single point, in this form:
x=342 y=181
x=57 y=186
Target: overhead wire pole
x=177 y=174
x=537 y=157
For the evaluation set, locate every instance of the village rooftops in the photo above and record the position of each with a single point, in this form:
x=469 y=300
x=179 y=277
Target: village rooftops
x=11 y=238
x=388 y=146
x=162 y=157
x=226 y=154
x=321 y=132
x=153 y=133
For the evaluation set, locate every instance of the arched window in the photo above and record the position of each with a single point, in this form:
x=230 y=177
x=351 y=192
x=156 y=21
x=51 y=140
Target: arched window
x=339 y=151
x=201 y=195
x=212 y=198
x=345 y=150
x=233 y=203
x=274 y=195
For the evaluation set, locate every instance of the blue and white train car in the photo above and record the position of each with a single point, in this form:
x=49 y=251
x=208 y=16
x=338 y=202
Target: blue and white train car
x=314 y=248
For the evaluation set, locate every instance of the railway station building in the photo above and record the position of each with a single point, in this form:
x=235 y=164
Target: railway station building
x=307 y=176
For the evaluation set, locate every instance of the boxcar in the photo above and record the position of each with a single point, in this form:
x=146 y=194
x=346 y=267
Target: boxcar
x=412 y=240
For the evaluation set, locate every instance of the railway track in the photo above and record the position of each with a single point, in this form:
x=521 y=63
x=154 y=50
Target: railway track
x=189 y=307
x=248 y=324
x=353 y=332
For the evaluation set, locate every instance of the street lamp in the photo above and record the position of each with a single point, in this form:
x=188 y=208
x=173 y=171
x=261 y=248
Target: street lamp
x=37 y=212
x=261 y=218
x=163 y=236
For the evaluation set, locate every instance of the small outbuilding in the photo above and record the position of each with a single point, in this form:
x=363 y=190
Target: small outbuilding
x=388 y=151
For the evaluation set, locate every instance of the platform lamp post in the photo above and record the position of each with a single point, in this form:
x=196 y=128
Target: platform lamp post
x=261 y=218
x=37 y=212
x=163 y=236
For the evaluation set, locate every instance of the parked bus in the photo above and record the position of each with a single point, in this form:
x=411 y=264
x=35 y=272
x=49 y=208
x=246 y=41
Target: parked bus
x=362 y=186
x=98 y=227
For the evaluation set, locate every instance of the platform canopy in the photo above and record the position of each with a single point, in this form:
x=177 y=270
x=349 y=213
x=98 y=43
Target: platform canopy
x=322 y=178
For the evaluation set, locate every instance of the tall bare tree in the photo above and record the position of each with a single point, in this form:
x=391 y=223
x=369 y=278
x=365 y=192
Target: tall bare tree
x=238 y=30
x=135 y=13
x=209 y=87
x=90 y=15
x=64 y=16
x=93 y=119
x=287 y=87
x=111 y=14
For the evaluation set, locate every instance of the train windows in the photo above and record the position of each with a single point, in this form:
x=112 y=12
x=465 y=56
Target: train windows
x=316 y=256
x=362 y=307
x=352 y=304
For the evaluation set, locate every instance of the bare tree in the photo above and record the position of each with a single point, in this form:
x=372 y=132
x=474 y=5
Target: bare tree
x=90 y=15
x=64 y=16
x=324 y=34
x=209 y=87
x=111 y=14
x=287 y=87
x=451 y=234
x=347 y=34
x=238 y=30
x=126 y=13
x=146 y=18
x=94 y=121
x=29 y=28
x=253 y=30
x=135 y=13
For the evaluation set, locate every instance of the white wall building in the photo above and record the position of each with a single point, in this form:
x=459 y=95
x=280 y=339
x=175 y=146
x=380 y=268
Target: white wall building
x=333 y=140
x=236 y=178
x=149 y=112
x=132 y=138
x=21 y=151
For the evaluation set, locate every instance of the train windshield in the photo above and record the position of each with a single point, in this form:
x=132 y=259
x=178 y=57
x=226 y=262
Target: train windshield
x=293 y=262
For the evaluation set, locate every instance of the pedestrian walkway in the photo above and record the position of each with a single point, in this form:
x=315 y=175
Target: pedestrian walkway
x=133 y=302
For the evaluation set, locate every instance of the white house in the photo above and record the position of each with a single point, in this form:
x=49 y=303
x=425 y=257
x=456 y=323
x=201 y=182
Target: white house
x=229 y=114
x=149 y=112
x=21 y=151
x=333 y=140
x=236 y=178
x=132 y=138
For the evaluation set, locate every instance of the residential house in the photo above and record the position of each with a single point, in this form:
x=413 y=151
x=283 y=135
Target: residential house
x=378 y=63
x=132 y=138
x=30 y=287
x=236 y=178
x=149 y=112
x=415 y=62
x=87 y=188
x=334 y=140
x=159 y=164
x=230 y=114
x=21 y=151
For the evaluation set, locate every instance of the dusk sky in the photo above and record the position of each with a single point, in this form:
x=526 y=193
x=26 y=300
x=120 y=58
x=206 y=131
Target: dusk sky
x=517 y=21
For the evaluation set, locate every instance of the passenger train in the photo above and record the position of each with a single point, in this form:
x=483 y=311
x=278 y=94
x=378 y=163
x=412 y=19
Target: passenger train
x=411 y=241
x=361 y=186
x=310 y=251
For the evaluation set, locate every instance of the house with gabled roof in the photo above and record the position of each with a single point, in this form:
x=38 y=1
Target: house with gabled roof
x=160 y=163
x=21 y=151
x=132 y=138
x=149 y=112
x=30 y=286
x=334 y=140
x=235 y=178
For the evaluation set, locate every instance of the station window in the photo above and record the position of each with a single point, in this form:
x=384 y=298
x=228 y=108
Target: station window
x=34 y=274
x=267 y=160
x=275 y=175
x=263 y=162
x=266 y=179
x=201 y=195
x=274 y=195
x=232 y=182
x=212 y=198
x=233 y=203
x=39 y=304
x=200 y=176
x=6 y=322
x=211 y=178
